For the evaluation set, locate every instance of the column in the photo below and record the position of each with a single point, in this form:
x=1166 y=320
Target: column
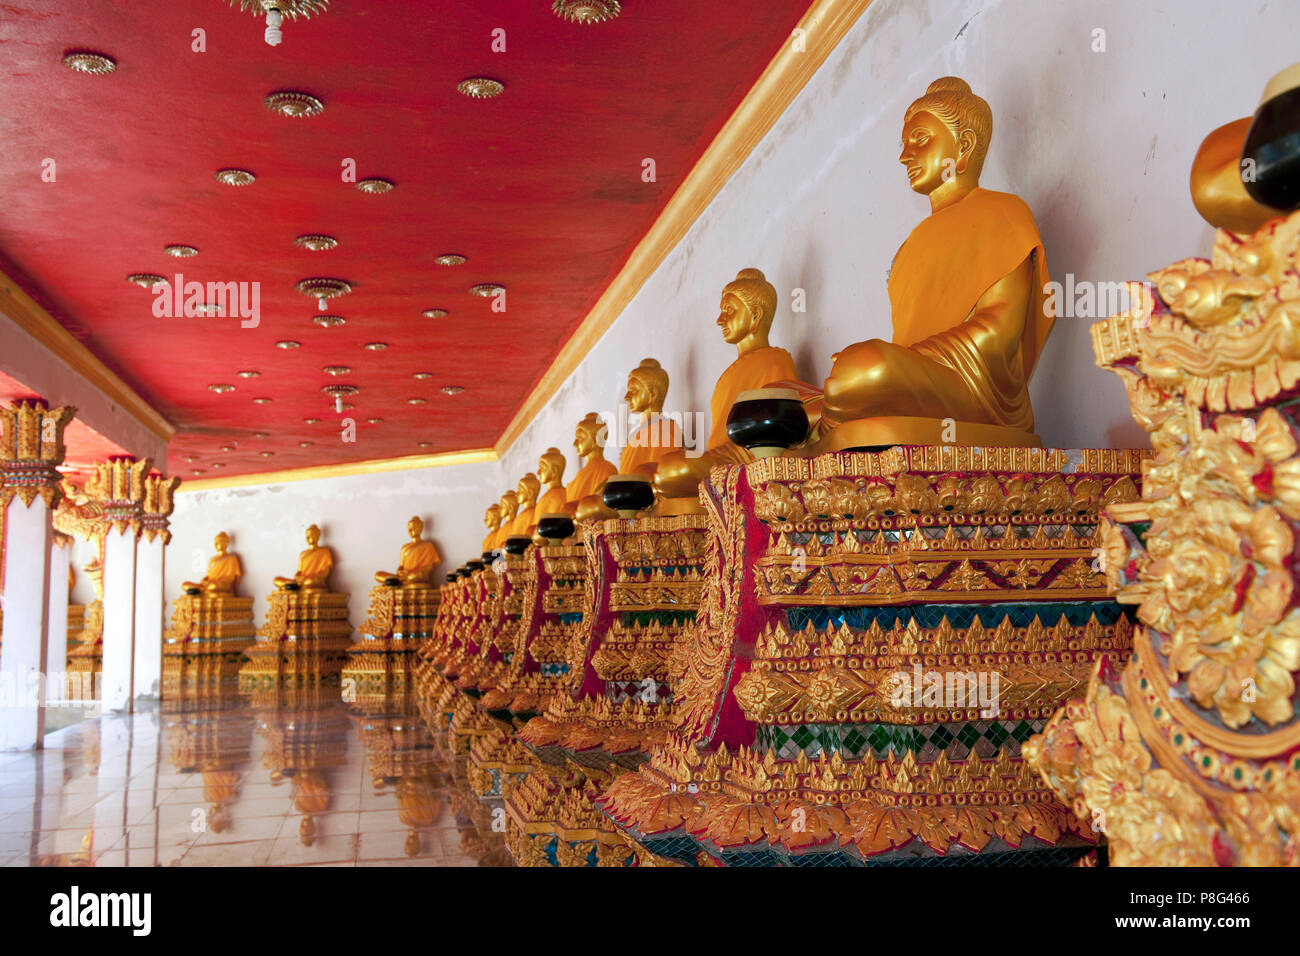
x=56 y=655
x=31 y=448
x=150 y=600
x=118 y=485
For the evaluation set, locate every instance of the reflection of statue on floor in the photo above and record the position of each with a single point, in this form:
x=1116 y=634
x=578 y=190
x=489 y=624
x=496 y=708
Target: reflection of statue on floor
x=967 y=291
x=418 y=560
x=224 y=571
x=314 y=566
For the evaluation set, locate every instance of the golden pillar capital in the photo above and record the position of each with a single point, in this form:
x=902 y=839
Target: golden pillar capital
x=119 y=486
x=157 y=506
x=31 y=449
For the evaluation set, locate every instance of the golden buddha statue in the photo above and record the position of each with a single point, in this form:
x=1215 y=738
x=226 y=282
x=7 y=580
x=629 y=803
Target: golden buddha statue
x=550 y=472
x=583 y=493
x=746 y=312
x=1217 y=190
x=656 y=436
x=968 y=296
x=224 y=571
x=508 y=509
x=314 y=566
x=525 y=517
x=491 y=521
x=418 y=560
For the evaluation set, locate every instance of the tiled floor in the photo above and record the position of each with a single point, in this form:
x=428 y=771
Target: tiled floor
x=244 y=782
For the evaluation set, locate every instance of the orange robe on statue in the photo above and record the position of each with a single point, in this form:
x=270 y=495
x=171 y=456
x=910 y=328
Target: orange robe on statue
x=947 y=263
x=551 y=503
x=589 y=479
x=648 y=444
x=756 y=369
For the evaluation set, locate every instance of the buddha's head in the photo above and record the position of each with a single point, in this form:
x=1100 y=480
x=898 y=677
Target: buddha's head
x=415 y=527
x=313 y=536
x=589 y=438
x=550 y=467
x=529 y=488
x=946 y=135
x=647 y=387
x=492 y=517
x=748 y=307
x=509 y=505
x=221 y=542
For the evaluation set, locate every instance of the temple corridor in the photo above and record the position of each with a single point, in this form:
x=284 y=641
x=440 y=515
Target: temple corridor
x=242 y=781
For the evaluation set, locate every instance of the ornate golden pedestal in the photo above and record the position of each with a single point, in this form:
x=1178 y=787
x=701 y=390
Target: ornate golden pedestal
x=1190 y=754
x=877 y=636
x=399 y=621
x=617 y=703
x=206 y=640
x=86 y=655
x=305 y=637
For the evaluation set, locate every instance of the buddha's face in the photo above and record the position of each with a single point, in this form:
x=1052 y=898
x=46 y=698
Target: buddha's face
x=930 y=152
x=584 y=440
x=313 y=536
x=415 y=527
x=735 y=318
x=546 y=471
x=509 y=504
x=640 y=398
x=526 y=491
x=221 y=542
x=492 y=517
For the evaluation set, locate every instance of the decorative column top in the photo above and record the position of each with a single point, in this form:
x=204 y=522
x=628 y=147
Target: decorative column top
x=31 y=449
x=157 y=506
x=119 y=485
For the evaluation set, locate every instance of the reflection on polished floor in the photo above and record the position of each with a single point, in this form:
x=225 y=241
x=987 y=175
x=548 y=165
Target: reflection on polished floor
x=287 y=778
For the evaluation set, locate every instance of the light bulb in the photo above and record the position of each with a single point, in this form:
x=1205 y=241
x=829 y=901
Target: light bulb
x=274 y=18
x=322 y=304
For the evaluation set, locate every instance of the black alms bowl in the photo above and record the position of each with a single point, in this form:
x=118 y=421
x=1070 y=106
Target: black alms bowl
x=454 y=576
x=767 y=421
x=474 y=564
x=627 y=494
x=490 y=556
x=517 y=544
x=1271 y=154
x=555 y=527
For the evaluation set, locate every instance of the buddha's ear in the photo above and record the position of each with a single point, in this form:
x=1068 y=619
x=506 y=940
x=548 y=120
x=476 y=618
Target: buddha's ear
x=966 y=143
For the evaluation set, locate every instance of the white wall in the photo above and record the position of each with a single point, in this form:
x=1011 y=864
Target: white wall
x=1098 y=143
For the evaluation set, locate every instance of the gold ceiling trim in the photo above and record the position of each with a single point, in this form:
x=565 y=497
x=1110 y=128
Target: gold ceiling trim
x=823 y=26
x=28 y=315
x=373 y=466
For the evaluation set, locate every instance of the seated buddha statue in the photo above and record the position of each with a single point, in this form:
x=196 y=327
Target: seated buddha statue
x=418 y=560
x=968 y=296
x=747 y=309
x=491 y=521
x=583 y=493
x=314 y=566
x=655 y=436
x=550 y=472
x=508 y=510
x=224 y=571
x=525 y=517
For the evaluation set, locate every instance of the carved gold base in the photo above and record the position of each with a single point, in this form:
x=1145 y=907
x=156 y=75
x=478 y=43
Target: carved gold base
x=905 y=430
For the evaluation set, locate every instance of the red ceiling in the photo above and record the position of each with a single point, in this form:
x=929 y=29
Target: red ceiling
x=540 y=188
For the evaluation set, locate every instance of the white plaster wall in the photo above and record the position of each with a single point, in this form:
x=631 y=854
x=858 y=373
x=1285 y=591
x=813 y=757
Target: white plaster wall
x=1098 y=143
